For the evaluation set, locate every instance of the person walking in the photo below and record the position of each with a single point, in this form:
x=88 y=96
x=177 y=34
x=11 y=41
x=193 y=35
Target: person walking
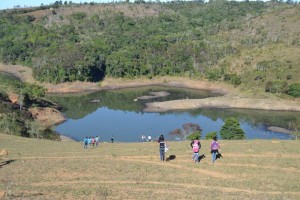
x=196 y=145
x=85 y=142
x=214 y=147
x=162 y=145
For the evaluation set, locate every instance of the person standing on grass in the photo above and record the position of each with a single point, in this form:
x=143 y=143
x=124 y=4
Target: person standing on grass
x=149 y=138
x=162 y=144
x=196 y=145
x=214 y=147
x=90 y=141
x=93 y=142
x=112 y=139
x=97 y=140
x=85 y=143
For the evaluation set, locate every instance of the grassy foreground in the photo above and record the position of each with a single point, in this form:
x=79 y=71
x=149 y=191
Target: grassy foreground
x=249 y=169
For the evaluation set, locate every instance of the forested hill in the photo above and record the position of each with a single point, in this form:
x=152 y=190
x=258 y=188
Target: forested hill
x=244 y=43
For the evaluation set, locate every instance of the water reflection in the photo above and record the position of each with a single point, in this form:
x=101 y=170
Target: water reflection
x=116 y=112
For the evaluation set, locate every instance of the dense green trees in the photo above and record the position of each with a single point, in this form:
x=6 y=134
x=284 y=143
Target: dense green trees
x=294 y=90
x=175 y=42
x=132 y=40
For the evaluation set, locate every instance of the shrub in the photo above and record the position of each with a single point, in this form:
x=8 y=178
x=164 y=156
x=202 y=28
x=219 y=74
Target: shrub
x=213 y=74
x=233 y=79
x=79 y=15
x=211 y=135
x=231 y=130
x=294 y=90
x=276 y=87
x=194 y=136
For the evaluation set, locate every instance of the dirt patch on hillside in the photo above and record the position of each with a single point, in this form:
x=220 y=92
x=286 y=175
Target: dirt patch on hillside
x=47 y=116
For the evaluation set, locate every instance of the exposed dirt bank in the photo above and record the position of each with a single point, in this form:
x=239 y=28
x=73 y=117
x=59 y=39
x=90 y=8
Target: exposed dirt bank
x=227 y=101
x=47 y=116
x=233 y=98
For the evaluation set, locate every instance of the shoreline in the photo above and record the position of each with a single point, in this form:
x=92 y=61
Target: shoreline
x=232 y=98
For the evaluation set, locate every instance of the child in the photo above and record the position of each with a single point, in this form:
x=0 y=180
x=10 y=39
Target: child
x=196 y=147
x=214 y=146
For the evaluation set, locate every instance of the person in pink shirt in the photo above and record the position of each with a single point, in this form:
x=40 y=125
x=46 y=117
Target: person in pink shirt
x=214 y=147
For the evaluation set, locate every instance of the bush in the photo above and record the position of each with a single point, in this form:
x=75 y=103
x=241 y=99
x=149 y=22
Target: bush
x=232 y=79
x=276 y=87
x=231 y=130
x=194 y=136
x=294 y=90
x=79 y=15
x=213 y=74
x=211 y=135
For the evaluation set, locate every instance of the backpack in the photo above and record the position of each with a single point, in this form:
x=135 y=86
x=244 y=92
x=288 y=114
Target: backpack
x=196 y=146
x=86 y=141
x=214 y=145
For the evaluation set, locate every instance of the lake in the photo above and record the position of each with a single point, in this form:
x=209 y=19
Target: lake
x=120 y=113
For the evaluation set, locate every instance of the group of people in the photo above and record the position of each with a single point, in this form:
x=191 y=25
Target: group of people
x=196 y=146
x=91 y=142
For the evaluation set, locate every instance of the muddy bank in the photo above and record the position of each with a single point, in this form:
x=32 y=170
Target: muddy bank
x=233 y=98
x=224 y=102
x=25 y=74
x=154 y=95
x=279 y=129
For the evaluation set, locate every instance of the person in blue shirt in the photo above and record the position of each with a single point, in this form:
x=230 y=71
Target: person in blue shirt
x=85 y=143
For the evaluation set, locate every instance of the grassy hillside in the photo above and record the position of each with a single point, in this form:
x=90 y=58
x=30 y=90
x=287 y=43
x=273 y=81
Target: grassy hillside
x=251 y=44
x=253 y=169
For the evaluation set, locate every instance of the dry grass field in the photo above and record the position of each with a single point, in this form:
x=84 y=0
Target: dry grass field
x=249 y=169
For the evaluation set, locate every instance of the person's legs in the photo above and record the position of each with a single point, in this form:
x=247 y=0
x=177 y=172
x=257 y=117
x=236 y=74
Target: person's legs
x=161 y=153
x=214 y=153
x=196 y=157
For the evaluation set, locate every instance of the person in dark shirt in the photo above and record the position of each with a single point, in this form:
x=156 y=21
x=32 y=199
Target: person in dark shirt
x=162 y=144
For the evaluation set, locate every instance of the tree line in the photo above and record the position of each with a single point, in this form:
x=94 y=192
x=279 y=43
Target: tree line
x=181 y=39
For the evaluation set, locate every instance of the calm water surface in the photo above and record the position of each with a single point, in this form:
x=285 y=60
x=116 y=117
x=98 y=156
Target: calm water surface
x=117 y=113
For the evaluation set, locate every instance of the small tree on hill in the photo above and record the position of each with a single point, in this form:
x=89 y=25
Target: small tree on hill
x=231 y=130
x=211 y=135
x=194 y=136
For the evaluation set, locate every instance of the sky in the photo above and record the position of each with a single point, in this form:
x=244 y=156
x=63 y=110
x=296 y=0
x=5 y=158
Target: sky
x=4 y=4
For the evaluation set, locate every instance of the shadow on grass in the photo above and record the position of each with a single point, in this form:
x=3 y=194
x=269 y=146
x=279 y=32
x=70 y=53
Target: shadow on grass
x=6 y=162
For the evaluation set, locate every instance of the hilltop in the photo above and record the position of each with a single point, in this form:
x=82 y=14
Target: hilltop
x=252 y=45
x=251 y=169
